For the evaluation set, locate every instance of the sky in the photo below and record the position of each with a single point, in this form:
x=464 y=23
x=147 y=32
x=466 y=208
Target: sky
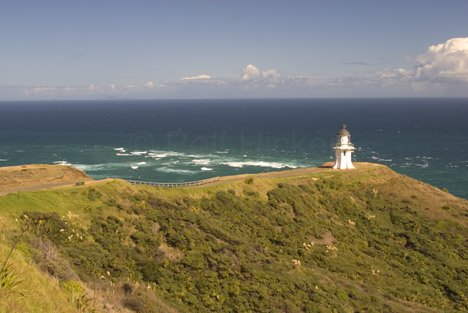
x=90 y=49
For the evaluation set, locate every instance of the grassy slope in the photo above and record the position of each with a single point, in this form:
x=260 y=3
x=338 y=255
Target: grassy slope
x=322 y=241
x=37 y=292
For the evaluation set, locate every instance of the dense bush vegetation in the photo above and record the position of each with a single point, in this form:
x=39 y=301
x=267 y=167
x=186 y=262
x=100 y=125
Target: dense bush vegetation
x=315 y=246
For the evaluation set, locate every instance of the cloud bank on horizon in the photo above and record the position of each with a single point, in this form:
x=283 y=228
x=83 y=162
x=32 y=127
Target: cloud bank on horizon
x=441 y=71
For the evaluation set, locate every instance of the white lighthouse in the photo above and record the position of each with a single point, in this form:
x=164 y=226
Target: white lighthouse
x=343 y=150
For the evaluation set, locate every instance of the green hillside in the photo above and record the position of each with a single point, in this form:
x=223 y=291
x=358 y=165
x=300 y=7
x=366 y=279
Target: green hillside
x=368 y=240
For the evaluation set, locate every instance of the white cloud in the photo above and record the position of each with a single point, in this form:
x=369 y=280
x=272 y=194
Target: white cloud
x=91 y=91
x=252 y=76
x=392 y=76
x=441 y=71
x=197 y=77
x=444 y=62
x=150 y=84
x=251 y=72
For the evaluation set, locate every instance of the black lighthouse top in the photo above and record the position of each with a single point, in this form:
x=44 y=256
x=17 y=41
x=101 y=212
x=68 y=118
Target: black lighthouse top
x=343 y=131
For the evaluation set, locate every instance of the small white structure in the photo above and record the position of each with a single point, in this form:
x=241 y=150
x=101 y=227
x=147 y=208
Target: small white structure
x=343 y=150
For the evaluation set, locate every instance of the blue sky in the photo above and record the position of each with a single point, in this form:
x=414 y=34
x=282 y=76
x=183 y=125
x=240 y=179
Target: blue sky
x=232 y=48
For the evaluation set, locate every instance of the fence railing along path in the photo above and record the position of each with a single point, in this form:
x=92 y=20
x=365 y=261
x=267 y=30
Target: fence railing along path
x=175 y=185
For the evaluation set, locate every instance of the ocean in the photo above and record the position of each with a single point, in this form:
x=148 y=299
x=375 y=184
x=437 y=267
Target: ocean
x=186 y=140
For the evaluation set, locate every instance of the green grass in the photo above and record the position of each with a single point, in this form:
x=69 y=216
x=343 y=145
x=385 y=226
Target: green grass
x=36 y=291
x=355 y=241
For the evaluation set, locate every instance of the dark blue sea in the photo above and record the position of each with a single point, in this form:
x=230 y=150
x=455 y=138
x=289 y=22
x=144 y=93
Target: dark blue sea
x=185 y=140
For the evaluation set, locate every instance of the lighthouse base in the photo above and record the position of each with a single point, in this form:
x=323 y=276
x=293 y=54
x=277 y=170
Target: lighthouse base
x=343 y=160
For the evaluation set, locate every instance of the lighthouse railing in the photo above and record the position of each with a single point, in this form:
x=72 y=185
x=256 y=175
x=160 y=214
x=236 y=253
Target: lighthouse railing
x=340 y=145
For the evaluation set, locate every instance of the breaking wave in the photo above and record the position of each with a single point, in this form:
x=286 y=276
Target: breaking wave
x=276 y=165
x=176 y=171
x=201 y=161
x=61 y=163
x=163 y=154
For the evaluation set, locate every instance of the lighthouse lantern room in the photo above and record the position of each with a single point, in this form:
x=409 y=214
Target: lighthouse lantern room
x=343 y=150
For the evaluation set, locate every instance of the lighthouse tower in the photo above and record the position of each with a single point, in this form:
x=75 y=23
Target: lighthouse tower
x=343 y=150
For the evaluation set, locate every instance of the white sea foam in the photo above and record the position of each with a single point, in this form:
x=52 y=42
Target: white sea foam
x=120 y=149
x=175 y=170
x=141 y=163
x=3 y=160
x=380 y=159
x=89 y=167
x=61 y=163
x=259 y=164
x=201 y=161
x=138 y=152
x=163 y=154
x=123 y=154
x=201 y=156
x=134 y=167
x=99 y=167
x=206 y=169
x=422 y=165
x=170 y=163
x=223 y=151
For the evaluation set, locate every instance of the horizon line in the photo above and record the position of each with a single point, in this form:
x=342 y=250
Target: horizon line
x=227 y=98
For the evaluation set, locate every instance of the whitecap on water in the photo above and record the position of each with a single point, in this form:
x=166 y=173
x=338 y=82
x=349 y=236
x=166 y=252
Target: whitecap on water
x=163 y=154
x=201 y=161
x=422 y=165
x=61 y=163
x=276 y=165
x=175 y=170
x=206 y=169
x=380 y=159
x=101 y=166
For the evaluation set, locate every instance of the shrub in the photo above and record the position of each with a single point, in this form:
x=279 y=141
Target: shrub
x=10 y=281
x=47 y=225
x=78 y=297
x=249 y=181
x=47 y=257
x=92 y=194
x=145 y=301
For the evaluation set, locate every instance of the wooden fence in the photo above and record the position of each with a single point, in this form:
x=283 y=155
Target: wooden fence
x=175 y=185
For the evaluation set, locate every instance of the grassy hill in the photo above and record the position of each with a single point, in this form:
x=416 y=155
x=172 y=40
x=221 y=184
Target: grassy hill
x=38 y=176
x=309 y=240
